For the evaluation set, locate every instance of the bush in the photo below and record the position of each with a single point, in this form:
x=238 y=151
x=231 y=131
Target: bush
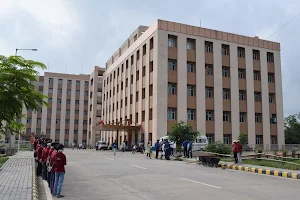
x=218 y=147
x=259 y=155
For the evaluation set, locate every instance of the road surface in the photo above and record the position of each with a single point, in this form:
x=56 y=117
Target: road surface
x=95 y=175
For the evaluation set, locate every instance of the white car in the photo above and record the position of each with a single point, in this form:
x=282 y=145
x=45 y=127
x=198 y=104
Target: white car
x=102 y=145
x=199 y=144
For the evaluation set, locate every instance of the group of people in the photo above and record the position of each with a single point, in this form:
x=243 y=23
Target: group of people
x=187 y=149
x=51 y=163
x=237 y=149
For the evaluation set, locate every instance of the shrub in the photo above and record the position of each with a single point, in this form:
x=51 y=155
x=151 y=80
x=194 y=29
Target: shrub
x=258 y=155
x=218 y=147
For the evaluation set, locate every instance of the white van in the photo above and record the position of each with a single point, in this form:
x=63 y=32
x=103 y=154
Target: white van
x=199 y=144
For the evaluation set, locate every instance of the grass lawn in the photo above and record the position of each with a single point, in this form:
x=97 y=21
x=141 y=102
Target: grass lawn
x=3 y=160
x=268 y=163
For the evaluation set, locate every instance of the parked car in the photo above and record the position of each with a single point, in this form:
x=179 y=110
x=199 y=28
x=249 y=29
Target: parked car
x=81 y=146
x=199 y=144
x=102 y=145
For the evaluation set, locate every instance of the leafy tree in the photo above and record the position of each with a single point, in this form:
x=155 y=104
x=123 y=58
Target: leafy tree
x=243 y=138
x=17 y=90
x=181 y=132
x=292 y=129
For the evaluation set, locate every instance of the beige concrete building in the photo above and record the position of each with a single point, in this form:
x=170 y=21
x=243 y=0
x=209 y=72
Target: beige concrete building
x=221 y=84
x=72 y=107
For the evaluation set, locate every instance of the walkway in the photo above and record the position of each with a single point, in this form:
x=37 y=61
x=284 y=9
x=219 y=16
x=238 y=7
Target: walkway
x=16 y=177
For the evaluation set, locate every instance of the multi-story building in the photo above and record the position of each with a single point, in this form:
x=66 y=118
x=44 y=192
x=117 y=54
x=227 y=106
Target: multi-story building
x=222 y=84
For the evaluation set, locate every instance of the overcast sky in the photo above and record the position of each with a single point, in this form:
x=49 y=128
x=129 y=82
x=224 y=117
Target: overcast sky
x=74 y=36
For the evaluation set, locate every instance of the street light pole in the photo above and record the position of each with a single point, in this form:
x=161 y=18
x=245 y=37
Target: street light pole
x=24 y=50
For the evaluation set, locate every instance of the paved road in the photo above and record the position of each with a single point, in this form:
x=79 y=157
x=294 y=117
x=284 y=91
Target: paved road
x=100 y=175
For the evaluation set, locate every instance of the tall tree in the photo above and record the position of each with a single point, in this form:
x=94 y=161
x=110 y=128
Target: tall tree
x=292 y=129
x=181 y=132
x=17 y=90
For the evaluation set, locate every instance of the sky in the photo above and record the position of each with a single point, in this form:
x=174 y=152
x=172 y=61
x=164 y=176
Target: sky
x=72 y=36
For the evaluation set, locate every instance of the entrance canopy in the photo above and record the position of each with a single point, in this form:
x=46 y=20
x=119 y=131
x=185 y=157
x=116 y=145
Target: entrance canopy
x=118 y=126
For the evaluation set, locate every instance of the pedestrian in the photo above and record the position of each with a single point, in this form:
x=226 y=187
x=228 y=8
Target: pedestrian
x=162 y=150
x=73 y=146
x=235 y=151
x=123 y=146
x=148 y=150
x=51 y=167
x=239 y=151
x=114 y=147
x=157 y=146
x=190 y=153
x=60 y=162
x=185 y=150
x=167 y=150
x=48 y=163
x=172 y=147
x=39 y=152
x=45 y=154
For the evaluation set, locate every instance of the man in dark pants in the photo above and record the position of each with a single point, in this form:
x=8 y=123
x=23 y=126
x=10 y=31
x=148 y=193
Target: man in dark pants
x=39 y=158
x=49 y=161
x=157 y=146
x=185 y=150
x=167 y=150
x=190 y=150
x=45 y=153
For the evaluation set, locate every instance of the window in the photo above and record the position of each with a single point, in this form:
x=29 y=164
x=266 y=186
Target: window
x=242 y=95
x=256 y=75
x=255 y=55
x=86 y=83
x=209 y=92
x=85 y=112
x=151 y=90
x=59 y=101
x=75 y=132
x=58 y=110
x=131 y=99
x=271 y=98
x=208 y=69
x=243 y=117
x=77 y=83
x=60 y=81
x=172 y=40
x=137 y=76
x=172 y=113
x=125 y=101
x=190 y=44
x=210 y=139
x=225 y=71
x=270 y=57
x=191 y=114
x=273 y=119
x=57 y=121
x=257 y=96
x=172 y=64
x=258 y=118
x=131 y=79
x=50 y=100
x=273 y=139
x=143 y=116
x=226 y=93
x=136 y=96
x=190 y=67
x=38 y=131
x=50 y=91
x=38 y=120
x=77 y=92
x=86 y=93
x=258 y=139
x=75 y=141
x=144 y=71
x=191 y=90
x=48 y=120
x=151 y=43
x=67 y=121
x=172 y=89
x=68 y=91
x=150 y=114
x=84 y=132
x=242 y=74
x=226 y=116
x=241 y=52
x=57 y=131
x=151 y=67
x=68 y=101
x=86 y=102
x=77 y=102
x=68 y=111
x=270 y=77
x=28 y=130
x=85 y=122
x=143 y=93
x=208 y=47
x=144 y=49
x=209 y=115
x=76 y=112
x=225 y=50
x=50 y=80
x=49 y=110
x=29 y=121
x=226 y=139
x=126 y=83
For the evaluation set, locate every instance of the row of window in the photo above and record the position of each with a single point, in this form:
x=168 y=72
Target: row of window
x=227 y=139
x=191 y=115
x=39 y=121
x=57 y=131
x=68 y=101
x=225 y=50
x=69 y=82
x=59 y=91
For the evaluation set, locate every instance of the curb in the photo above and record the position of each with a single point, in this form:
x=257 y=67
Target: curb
x=262 y=171
x=35 y=193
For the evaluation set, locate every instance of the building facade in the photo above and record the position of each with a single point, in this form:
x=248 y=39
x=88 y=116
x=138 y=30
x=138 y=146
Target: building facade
x=222 y=84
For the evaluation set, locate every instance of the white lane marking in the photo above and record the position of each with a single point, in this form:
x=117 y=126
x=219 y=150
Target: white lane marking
x=108 y=158
x=47 y=191
x=200 y=183
x=138 y=166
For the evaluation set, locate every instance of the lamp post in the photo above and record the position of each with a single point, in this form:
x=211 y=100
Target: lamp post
x=24 y=50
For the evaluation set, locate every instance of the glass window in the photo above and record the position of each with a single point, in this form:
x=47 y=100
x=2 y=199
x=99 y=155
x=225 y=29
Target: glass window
x=273 y=119
x=67 y=121
x=57 y=121
x=86 y=102
x=50 y=91
x=258 y=139
x=69 y=82
x=172 y=113
x=48 y=120
x=256 y=75
x=172 y=41
x=225 y=71
x=258 y=117
x=257 y=96
x=242 y=74
x=50 y=80
x=58 y=101
x=77 y=83
x=172 y=65
x=58 y=110
x=172 y=89
x=209 y=115
x=190 y=67
x=226 y=139
x=226 y=93
x=77 y=92
x=49 y=100
x=226 y=116
x=270 y=77
x=255 y=55
x=271 y=98
x=68 y=101
x=209 y=47
x=75 y=132
x=77 y=102
x=60 y=81
x=191 y=114
x=191 y=90
x=68 y=111
x=243 y=117
x=68 y=91
x=57 y=131
x=76 y=112
x=225 y=50
x=208 y=69
x=242 y=95
x=190 y=44
x=270 y=57
x=241 y=53
x=209 y=92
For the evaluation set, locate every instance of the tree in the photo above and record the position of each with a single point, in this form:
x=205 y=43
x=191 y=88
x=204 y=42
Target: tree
x=181 y=132
x=17 y=90
x=292 y=129
x=243 y=138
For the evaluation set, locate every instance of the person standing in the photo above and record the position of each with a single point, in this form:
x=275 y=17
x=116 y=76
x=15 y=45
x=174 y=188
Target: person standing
x=123 y=146
x=148 y=150
x=185 y=150
x=60 y=162
x=163 y=150
x=190 y=153
x=52 y=168
x=39 y=152
x=45 y=154
x=48 y=163
x=239 y=151
x=167 y=150
x=157 y=146
x=114 y=147
x=235 y=151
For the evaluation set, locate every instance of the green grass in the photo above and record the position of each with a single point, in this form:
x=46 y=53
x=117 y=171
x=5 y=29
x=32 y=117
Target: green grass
x=227 y=159
x=269 y=163
x=3 y=160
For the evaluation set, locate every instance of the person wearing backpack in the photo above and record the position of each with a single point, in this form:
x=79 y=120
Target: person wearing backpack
x=114 y=147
